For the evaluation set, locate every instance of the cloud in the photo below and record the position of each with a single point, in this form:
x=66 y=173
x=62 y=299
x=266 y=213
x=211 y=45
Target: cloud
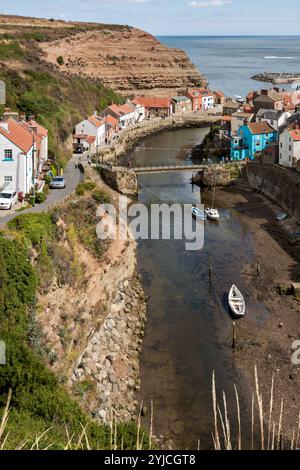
x=209 y=3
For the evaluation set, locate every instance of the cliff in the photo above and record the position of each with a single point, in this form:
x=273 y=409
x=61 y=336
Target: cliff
x=128 y=60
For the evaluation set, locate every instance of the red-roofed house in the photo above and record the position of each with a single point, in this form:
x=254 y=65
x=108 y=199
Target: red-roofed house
x=155 y=106
x=202 y=98
x=220 y=97
x=93 y=126
x=289 y=147
x=124 y=113
x=19 y=145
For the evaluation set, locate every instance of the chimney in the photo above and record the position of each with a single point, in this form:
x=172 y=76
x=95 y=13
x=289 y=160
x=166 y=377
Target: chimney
x=265 y=92
x=10 y=115
x=31 y=118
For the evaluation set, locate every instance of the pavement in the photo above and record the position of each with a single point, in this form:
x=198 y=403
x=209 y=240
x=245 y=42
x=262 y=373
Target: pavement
x=73 y=178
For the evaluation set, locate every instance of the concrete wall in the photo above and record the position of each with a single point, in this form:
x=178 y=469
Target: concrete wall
x=278 y=184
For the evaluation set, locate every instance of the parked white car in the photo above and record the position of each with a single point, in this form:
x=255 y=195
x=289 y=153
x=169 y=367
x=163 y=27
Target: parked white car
x=8 y=198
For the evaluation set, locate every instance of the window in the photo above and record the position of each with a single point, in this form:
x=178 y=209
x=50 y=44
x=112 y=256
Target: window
x=8 y=154
x=8 y=179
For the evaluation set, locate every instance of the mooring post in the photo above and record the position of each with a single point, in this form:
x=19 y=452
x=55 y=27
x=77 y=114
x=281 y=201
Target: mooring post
x=233 y=335
x=210 y=270
x=258 y=268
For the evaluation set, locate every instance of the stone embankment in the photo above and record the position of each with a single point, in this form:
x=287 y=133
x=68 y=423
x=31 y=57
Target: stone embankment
x=278 y=184
x=111 y=359
x=130 y=137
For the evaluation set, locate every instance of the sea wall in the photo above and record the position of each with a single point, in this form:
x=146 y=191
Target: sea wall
x=130 y=137
x=278 y=184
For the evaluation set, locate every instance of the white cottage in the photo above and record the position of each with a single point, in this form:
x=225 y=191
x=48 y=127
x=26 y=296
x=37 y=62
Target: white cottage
x=92 y=126
x=18 y=161
x=289 y=147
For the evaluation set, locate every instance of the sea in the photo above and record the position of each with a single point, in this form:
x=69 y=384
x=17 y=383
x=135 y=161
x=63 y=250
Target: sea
x=229 y=62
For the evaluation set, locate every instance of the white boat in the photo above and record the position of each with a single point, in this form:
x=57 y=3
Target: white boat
x=212 y=214
x=198 y=214
x=282 y=217
x=236 y=302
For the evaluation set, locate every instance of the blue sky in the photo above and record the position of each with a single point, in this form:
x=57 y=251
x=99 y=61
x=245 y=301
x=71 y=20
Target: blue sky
x=177 y=17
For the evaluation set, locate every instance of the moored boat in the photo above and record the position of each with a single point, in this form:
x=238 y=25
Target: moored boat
x=212 y=214
x=198 y=214
x=236 y=302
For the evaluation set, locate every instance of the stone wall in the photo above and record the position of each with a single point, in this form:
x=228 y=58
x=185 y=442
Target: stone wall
x=278 y=184
x=121 y=179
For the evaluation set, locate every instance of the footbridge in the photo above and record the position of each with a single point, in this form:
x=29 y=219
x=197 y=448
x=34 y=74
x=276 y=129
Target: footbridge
x=170 y=167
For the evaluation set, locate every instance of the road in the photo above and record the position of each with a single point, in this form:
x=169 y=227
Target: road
x=55 y=196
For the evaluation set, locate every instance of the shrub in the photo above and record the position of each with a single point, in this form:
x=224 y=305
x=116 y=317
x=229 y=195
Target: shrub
x=60 y=60
x=40 y=198
x=100 y=196
x=35 y=228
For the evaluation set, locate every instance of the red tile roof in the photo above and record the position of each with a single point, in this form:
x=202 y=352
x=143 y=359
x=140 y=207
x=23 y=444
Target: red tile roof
x=198 y=92
x=40 y=129
x=260 y=128
x=111 y=120
x=95 y=121
x=295 y=134
x=121 y=110
x=153 y=102
x=18 y=135
x=220 y=94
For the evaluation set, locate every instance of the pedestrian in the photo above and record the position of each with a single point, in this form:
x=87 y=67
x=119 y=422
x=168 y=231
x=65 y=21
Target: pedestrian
x=129 y=164
x=76 y=165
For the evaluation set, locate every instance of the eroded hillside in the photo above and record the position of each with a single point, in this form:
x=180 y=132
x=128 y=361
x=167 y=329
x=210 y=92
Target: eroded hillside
x=125 y=59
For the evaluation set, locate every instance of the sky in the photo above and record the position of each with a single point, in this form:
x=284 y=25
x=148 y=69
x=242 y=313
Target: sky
x=173 y=17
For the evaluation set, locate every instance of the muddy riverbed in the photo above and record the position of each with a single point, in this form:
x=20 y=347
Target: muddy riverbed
x=189 y=328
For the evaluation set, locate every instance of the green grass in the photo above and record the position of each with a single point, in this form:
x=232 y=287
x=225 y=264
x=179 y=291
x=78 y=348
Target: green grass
x=57 y=101
x=11 y=50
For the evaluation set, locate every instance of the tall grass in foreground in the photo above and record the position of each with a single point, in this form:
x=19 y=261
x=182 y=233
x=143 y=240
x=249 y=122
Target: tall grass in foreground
x=270 y=434
x=75 y=441
x=266 y=432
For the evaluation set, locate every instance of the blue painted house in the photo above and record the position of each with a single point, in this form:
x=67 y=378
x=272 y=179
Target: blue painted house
x=250 y=139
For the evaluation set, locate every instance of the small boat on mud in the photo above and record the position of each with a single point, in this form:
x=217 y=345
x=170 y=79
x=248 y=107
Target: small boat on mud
x=236 y=302
x=212 y=214
x=198 y=214
x=282 y=217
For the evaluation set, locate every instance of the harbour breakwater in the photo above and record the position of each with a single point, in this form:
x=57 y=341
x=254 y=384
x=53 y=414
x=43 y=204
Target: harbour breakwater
x=278 y=184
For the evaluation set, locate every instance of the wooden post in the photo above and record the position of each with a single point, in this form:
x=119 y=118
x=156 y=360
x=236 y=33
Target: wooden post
x=258 y=268
x=233 y=335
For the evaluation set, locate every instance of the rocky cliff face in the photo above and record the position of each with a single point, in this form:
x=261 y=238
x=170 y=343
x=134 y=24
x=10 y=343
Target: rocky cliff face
x=127 y=60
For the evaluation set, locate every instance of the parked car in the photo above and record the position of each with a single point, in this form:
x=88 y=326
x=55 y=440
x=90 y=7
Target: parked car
x=8 y=198
x=58 y=182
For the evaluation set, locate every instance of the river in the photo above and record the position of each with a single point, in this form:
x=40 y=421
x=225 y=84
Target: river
x=189 y=329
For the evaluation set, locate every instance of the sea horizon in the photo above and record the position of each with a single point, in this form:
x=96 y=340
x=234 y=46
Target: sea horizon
x=229 y=61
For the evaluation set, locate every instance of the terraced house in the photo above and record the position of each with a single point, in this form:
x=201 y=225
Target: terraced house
x=251 y=139
x=23 y=151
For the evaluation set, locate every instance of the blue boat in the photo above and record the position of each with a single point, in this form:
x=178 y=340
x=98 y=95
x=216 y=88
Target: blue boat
x=198 y=214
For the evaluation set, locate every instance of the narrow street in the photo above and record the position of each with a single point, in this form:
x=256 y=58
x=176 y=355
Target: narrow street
x=55 y=196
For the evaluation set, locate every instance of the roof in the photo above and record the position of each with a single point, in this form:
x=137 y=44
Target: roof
x=40 y=129
x=95 y=121
x=154 y=102
x=219 y=93
x=260 y=128
x=243 y=115
x=272 y=94
x=109 y=119
x=80 y=136
x=269 y=114
x=231 y=104
x=180 y=98
x=18 y=135
x=295 y=134
x=90 y=139
x=199 y=92
x=120 y=110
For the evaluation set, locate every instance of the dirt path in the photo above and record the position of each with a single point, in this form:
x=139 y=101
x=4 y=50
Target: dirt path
x=267 y=339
